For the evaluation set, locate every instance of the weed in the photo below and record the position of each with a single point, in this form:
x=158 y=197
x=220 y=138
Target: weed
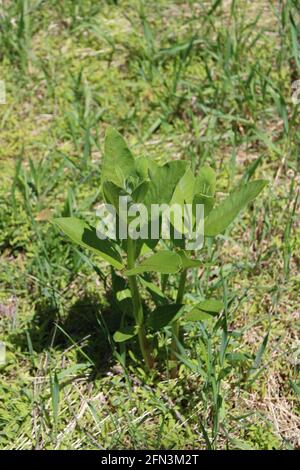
x=143 y=183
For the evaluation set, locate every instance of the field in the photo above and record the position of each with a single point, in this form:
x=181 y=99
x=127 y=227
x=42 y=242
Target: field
x=210 y=82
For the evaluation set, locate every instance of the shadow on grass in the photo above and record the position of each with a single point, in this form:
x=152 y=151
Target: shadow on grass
x=87 y=324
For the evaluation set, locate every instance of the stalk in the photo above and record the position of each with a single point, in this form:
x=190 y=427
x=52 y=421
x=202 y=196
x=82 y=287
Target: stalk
x=176 y=325
x=164 y=280
x=137 y=306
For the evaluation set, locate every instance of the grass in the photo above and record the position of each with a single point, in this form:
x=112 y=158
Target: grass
x=203 y=81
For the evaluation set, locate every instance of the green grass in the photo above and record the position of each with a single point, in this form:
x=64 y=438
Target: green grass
x=202 y=81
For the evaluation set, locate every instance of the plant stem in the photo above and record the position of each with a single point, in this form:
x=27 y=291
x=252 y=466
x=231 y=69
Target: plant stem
x=176 y=325
x=163 y=282
x=137 y=306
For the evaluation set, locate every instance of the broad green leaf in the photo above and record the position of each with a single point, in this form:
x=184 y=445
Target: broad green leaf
x=183 y=194
x=124 y=334
x=162 y=262
x=188 y=262
x=205 y=310
x=111 y=193
x=205 y=187
x=163 y=181
x=211 y=305
x=205 y=181
x=123 y=294
x=220 y=217
x=139 y=193
x=207 y=201
x=184 y=190
x=197 y=315
x=85 y=235
x=142 y=165
x=118 y=161
x=163 y=316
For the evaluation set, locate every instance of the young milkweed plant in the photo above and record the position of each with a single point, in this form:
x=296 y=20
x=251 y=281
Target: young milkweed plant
x=144 y=263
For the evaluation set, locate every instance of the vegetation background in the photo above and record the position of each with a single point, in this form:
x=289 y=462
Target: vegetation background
x=207 y=81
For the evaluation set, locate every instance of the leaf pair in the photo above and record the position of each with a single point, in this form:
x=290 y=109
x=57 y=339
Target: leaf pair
x=165 y=315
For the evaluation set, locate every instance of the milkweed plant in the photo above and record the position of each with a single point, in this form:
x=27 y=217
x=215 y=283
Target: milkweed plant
x=151 y=230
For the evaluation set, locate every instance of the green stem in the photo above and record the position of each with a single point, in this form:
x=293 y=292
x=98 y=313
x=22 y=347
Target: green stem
x=176 y=325
x=164 y=280
x=137 y=306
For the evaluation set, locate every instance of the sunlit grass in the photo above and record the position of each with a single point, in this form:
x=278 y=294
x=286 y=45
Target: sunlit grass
x=180 y=80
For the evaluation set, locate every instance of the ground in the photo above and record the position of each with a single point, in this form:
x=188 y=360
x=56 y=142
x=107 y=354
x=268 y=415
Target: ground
x=209 y=82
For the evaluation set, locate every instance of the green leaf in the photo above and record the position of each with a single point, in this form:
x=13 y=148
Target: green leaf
x=207 y=201
x=139 y=193
x=111 y=193
x=163 y=181
x=259 y=354
x=85 y=235
x=241 y=444
x=124 y=334
x=197 y=315
x=183 y=194
x=220 y=217
x=55 y=396
x=211 y=305
x=123 y=294
x=205 y=181
x=295 y=387
x=205 y=310
x=142 y=165
x=163 y=316
x=150 y=286
x=118 y=161
x=184 y=190
x=165 y=262
x=187 y=262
